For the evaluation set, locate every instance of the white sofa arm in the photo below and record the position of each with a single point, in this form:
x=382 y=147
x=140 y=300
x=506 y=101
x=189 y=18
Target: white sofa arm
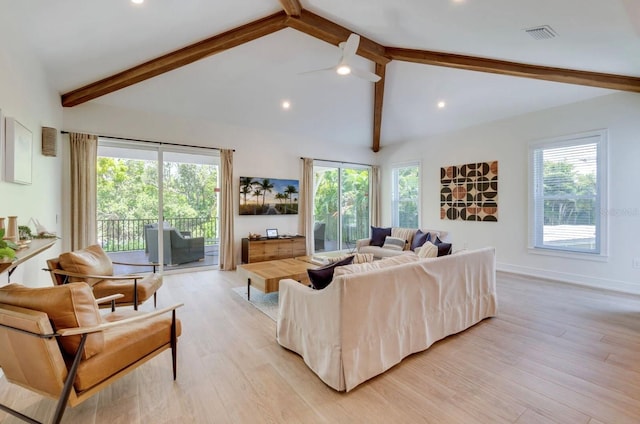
x=309 y=323
x=362 y=242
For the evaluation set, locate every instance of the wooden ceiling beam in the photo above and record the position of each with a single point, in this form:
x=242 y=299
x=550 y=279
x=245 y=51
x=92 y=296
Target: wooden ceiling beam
x=291 y=7
x=378 y=97
x=177 y=59
x=502 y=67
x=332 y=33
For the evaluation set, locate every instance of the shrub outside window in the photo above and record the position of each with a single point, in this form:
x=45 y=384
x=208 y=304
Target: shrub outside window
x=568 y=193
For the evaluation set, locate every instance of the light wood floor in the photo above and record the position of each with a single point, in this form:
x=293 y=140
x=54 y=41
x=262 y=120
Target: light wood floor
x=555 y=354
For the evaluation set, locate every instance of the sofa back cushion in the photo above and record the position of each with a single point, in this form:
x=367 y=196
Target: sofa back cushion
x=400 y=259
x=406 y=234
x=91 y=260
x=358 y=258
x=67 y=306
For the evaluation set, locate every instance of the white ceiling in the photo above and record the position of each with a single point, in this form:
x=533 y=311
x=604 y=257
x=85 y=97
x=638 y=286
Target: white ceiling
x=79 y=42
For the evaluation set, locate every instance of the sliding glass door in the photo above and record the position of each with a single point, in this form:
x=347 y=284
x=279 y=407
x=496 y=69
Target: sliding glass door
x=341 y=205
x=158 y=203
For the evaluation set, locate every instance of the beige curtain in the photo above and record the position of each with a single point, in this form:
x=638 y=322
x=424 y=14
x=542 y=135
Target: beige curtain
x=375 y=196
x=306 y=204
x=227 y=251
x=84 y=153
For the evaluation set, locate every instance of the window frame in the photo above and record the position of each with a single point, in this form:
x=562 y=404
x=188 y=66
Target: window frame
x=536 y=206
x=395 y=200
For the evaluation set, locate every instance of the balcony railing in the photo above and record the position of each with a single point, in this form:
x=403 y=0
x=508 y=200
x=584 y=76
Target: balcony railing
x=120 y=235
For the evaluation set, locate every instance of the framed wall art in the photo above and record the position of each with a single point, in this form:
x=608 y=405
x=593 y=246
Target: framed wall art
x=18 y=152
x=469 y=192
x=268 y=196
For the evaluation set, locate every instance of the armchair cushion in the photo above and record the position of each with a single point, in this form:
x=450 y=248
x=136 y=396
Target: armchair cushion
x=68 y=306
x=91 y=260
x=124 y=345
x=147 y=286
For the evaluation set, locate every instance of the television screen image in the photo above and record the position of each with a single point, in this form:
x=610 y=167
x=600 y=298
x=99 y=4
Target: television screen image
x=268 y=196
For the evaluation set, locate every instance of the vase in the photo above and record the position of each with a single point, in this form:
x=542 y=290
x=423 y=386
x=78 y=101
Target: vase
x=2 y=223
x=12 y=229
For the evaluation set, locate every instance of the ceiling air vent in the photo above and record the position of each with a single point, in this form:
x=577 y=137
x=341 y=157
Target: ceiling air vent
x=542 y=32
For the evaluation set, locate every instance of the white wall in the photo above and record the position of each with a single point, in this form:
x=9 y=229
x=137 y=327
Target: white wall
x=25 y=96
x=257 y=153
x=507 y=141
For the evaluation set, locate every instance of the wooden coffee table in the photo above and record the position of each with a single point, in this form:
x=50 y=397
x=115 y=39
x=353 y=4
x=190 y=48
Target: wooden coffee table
x=266 y=276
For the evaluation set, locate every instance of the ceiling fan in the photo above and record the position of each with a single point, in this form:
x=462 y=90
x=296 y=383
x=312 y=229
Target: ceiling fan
x=344 y=66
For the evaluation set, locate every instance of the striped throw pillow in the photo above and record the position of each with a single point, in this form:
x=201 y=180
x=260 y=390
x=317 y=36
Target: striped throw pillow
x=394 y=243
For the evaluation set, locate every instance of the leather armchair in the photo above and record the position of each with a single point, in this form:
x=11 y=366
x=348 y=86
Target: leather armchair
x=92 y=266
x=56 y=343
x=178 y=247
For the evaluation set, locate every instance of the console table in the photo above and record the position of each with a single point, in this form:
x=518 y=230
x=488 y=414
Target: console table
x=36 y=246
x=264 y=249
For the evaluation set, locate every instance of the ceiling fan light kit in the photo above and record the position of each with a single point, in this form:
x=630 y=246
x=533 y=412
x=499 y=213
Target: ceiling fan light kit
x=349 y=49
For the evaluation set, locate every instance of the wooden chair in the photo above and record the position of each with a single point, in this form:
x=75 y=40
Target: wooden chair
x=92 y=266
x=56 y=343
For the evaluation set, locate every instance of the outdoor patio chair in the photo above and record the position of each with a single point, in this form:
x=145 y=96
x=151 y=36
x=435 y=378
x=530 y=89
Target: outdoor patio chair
x=178 y=246
x=56 y=343
x=92 y=266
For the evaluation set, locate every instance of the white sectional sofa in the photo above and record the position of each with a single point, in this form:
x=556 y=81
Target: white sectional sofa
x=364 y=245
x=371 y=316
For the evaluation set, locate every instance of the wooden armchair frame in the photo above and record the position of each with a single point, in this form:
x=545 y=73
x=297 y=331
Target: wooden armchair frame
x=68 y=394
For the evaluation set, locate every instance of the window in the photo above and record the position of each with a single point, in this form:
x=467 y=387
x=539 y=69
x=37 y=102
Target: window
x=406 y=196
x=341 y=205
x=568 y=193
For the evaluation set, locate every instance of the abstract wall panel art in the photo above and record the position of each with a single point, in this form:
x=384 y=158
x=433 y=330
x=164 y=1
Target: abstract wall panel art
x=469 y=192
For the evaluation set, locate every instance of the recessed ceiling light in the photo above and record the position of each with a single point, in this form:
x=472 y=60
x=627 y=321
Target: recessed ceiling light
x=137 y=1
x=441 y=104
x=286 y=104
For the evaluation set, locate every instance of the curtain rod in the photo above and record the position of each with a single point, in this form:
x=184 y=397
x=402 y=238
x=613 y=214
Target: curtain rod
x=340 y=162
x=154 y=142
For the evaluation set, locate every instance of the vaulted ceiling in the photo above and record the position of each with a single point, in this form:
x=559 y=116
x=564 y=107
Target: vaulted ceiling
x=234 y=62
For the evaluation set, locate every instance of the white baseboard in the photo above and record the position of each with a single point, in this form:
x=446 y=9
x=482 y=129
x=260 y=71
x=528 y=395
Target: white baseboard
x=565 y=277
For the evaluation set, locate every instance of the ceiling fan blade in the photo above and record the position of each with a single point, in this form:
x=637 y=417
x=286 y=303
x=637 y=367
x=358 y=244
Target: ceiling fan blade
x=315 y=71
x=350 y=47
x=365 y=75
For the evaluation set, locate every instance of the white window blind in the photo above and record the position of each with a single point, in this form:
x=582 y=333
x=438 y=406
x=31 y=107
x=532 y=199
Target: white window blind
x=568 y=193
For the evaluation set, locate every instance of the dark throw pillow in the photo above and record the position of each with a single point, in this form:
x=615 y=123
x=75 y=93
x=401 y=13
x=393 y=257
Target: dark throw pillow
x=444 y=249
x=419 y=239
x=321 y=277
x=378 y=235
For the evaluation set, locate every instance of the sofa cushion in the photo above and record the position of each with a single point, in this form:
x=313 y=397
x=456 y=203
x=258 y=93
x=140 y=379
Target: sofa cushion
x=428 y=250
x=67 y=306
x=394 y=243
x=378 y=235
x=443 y=248
x=405 y=234
x=419 y=238
x=321 y=277
x=358 y=258
x=403 y=258
x=91 y=260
